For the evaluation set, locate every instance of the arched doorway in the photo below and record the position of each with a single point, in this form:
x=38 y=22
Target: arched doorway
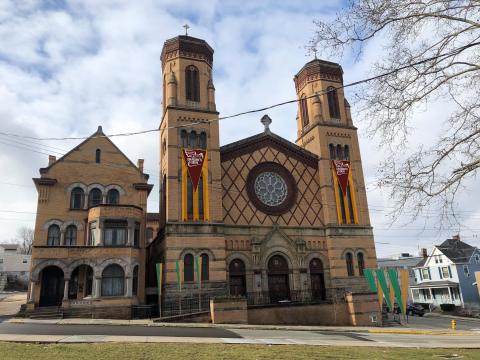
x=278 y=285
x=80 y=285
x=317 y=279
x=236 y=273
x=51 y=292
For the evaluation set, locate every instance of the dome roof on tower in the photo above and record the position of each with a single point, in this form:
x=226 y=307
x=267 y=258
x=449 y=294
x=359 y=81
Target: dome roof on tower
x=325 y=69
x=187 y=46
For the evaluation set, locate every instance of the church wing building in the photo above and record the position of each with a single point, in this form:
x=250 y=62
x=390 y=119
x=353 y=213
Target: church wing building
x=268 y=218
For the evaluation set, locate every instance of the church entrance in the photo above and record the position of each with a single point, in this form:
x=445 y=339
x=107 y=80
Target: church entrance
x=278 y=286
x=317 y=280
x=237 y=283
x=51 y=292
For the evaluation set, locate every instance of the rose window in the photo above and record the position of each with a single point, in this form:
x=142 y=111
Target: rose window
x=270 y=188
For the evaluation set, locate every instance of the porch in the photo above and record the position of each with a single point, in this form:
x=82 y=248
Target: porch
x=437 y=293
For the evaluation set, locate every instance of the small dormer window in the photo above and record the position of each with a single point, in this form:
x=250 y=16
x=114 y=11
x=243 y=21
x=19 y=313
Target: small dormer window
x=477 y=258
x=98 y=155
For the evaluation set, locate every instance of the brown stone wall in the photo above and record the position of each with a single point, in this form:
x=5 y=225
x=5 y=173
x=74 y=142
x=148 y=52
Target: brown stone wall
x=229 y=312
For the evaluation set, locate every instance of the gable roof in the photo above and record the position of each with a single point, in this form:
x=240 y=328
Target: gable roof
x=98 y=133
x=267 y=139
x=456 y=250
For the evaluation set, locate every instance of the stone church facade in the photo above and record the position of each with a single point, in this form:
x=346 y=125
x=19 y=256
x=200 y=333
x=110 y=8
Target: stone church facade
x=269 y=219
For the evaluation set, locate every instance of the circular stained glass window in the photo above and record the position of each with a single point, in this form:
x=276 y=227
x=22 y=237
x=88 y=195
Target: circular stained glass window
x=270 y=188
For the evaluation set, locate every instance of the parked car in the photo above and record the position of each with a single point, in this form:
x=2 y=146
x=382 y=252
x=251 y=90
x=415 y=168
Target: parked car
x=415 y=309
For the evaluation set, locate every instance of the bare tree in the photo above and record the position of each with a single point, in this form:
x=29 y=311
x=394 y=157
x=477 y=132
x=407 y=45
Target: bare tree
x=25 y=239
x=447 y=33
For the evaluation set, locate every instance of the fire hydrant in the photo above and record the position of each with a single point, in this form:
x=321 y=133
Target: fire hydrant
x=454 y=324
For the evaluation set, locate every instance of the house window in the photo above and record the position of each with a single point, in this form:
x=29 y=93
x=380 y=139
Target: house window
x=113 y=197
x=333 y=107
x=95 y=197
x=192 y=141
x=361 y=263
x=115 y=232
x=205 y=267
x=445 y=272
x=340 y=152
x=346 y=152
x=188 y=268
x=192 y=85
x=76 y=198
x=349 y=263
x=304 y=110
x=98 y=155
x=53 y=238
x=477 y=258
x=466 y=271
x=112 y=281
x=71 y=235
x=425 y=273
x=135 y=281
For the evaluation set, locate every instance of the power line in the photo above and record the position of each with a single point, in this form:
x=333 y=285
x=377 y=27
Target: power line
x=355 y=83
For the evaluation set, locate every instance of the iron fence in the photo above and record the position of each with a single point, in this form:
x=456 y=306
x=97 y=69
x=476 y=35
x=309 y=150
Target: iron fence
x=184 y=305
x=295 y=297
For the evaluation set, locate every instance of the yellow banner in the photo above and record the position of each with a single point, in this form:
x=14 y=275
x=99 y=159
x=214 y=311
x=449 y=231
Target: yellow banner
x=404 y=289
x=380 y=296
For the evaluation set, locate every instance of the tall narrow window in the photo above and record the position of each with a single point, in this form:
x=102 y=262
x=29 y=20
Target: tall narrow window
x=135 y=281
x=331 y=148
x=346 y=152
x=189 y=198
x=71 y=235
x=192 y=141
x=136 y=235
x=192 y=86
x=95 y=197
x=113 y=197
x=304 y=110
x=76 y=199
x=349 y=263
x=183 y=138
x=200 y=199
x=339 y=152
x=188 y=268
x=361 y=263
x=333 y=108
x=113 y=281
x=98 y=154
x=203 y=140
x=205 y=267
x=53 y=238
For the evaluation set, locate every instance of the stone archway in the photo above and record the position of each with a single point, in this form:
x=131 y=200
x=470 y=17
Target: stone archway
x=278 y=282
x=81 y=282
x=317 y=280
x=52 y=286
x=237 y=278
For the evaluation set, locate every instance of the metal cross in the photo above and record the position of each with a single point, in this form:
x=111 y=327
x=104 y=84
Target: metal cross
x=186 y=29
x=315 y=52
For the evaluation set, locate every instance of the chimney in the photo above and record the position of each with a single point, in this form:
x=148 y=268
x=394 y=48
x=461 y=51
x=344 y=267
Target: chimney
x=51 y=159
x=423 y=253
x=140 y=164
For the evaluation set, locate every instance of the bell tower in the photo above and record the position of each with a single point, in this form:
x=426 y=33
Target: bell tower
x=189 y=121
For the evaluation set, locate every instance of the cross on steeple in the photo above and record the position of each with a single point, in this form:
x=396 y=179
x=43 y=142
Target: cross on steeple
x=186 y=29
x=315 y=52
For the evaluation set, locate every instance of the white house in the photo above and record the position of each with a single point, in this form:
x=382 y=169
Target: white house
x=14 y=266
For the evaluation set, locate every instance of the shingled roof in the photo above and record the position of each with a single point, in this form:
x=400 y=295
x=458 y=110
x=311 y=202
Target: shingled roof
x=456 y=250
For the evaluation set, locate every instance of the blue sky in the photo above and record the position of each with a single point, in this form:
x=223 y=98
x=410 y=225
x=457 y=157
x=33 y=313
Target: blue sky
x=68 y=66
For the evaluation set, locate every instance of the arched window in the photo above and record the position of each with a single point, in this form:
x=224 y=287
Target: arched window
x=331 y=148
x=333 y=103
x=113 y=197
x=200 y=199
x=203 y=140
x=95 y=197
x=71 y=235
x=189 y=198
x=183 y=138
x=98 y=155
x=76 y=198
x=339 y=152
x=192 y=141
x=346 y=152
x=349 y=262
x=113 y=281
x=135 y=281
x=361 y=263
x=53 y=238
x=304 y=110
x=205 y=267
x=188 y=268
x=192 y=86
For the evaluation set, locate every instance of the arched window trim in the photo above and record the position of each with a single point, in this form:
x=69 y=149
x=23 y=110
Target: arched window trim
x=188 y=268
x=53 y=235
x=192 y=139
x=95 y=197
x=113 y=197
x=77 y=198
x=192 y=84
x=339 y=152
x=349 y=264
x=113 y=281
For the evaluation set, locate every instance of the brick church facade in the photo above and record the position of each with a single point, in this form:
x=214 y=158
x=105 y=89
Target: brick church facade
x=267 y=217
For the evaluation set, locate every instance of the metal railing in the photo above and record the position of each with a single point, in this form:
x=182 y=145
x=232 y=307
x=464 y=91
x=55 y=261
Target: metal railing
x=295 y=297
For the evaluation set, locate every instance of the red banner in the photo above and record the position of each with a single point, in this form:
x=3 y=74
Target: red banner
x=194 y=161
x=342 y=169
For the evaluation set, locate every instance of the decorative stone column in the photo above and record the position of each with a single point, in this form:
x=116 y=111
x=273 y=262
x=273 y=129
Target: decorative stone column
x=97 y=287
x=131 y=232
x=129 y=281
x=65 y=289
x=31 y=292
x=62 y=237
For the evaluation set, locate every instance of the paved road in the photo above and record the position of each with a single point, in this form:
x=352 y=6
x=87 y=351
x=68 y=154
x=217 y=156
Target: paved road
x=431 y=322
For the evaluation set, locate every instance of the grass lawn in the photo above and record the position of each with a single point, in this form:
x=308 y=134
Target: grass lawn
x=130 y=351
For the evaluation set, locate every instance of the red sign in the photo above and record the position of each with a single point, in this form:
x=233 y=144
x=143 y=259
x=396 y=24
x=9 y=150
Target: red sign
x=194 y=161
x=342 y=169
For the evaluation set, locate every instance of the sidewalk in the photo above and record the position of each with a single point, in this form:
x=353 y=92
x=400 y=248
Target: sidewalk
x=463 y=318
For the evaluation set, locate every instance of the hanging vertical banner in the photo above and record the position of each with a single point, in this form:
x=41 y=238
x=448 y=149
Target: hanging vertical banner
x=194 y=159
x=404 y=287
x=342 y=169
x=198 y=269
x=179 y=274
x=383 y=284
x=368 y=273
x=380 y=295
x=392 y=274
x=159 y=271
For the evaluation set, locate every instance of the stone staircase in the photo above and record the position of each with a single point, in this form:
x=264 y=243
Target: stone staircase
x=50 y=312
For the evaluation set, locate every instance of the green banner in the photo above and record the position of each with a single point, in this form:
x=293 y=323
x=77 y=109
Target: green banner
x=368 y=273
x=179 y=277
x=197 y=269
x=383 y=284
x=159 y=276
x=392 y=274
